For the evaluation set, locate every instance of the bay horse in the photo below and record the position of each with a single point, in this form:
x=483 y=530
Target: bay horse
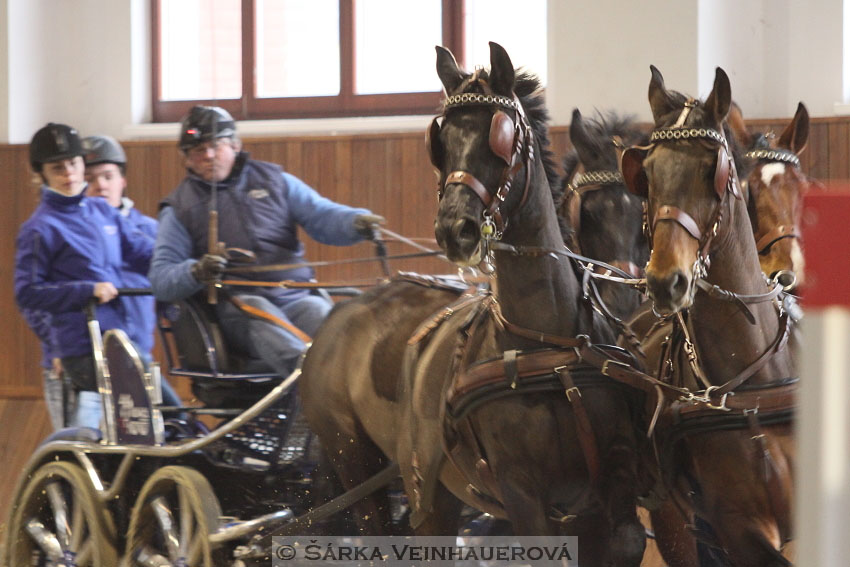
x=552 y=456
x=727 y=448
x=776 y=186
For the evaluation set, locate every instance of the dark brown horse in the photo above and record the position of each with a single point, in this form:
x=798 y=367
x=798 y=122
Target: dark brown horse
x=727 y=451
x=521 y=445
x=593 y=196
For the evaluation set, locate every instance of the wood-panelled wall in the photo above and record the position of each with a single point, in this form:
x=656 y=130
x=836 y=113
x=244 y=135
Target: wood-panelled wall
x=387 y=173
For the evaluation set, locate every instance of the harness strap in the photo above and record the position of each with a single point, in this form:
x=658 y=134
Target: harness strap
x=778 y=233
x=584 y=429
x=770 y=475
x=743 y=376
x=669 y=212
x=260 y=314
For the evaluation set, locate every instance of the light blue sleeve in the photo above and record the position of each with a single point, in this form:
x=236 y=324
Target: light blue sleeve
x=324 y=220
x=171 y=266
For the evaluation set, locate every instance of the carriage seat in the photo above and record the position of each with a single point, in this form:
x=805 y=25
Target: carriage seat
x=222 y=376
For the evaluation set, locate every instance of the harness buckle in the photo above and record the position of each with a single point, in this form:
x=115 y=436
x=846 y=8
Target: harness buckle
x=722 y=406
x=615 y=363
x=569 y=391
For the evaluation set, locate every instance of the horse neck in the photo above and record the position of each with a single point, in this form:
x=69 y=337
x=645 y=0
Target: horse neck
x=537 y=292
x=727 y=342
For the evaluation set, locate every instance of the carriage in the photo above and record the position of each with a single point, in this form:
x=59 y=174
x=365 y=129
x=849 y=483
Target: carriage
x=139 y=493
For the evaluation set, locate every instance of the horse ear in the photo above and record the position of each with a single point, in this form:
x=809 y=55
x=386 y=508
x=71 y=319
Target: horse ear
x=502 y=75
x=720 y=99
x=796 y=135
x=447 y=70
x=660 y=101
x=735 y=120
x=631 y=167
x=582 y=143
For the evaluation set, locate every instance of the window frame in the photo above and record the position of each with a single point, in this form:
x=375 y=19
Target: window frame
x=346 y=104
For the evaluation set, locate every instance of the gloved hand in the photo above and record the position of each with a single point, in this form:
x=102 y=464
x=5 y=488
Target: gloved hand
x=208 y=268
x=364 y=225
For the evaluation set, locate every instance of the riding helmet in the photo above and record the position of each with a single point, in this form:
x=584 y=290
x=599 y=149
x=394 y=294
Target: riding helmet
x=203 y=123
x=54 y=142
x=103 y=149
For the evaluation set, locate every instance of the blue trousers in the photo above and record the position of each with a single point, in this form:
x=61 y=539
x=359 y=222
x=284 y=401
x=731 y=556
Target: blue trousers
x=276 y=346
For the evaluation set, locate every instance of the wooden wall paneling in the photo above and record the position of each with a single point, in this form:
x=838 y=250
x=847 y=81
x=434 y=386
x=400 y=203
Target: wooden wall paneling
x=25 y=425
x=817 y=154
x=839 y=150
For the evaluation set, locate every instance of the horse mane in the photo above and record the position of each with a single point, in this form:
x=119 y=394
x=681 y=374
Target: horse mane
x=530 y=93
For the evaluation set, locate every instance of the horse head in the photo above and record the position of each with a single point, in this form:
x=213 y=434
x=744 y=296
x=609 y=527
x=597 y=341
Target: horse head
x=688 y=175
x=482 y=140
x=605 y=218
x=776 y=187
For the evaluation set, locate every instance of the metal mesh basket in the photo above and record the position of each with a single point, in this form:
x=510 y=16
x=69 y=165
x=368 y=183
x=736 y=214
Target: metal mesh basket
x=278 y=437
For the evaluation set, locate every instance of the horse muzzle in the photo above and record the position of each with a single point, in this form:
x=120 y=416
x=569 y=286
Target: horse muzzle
x=670 y=292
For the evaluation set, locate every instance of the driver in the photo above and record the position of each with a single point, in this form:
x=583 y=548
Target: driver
x=260 y=208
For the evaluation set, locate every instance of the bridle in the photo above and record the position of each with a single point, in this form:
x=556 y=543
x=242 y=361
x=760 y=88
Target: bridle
x=725 y=182
x=581 y=185
x=510 y=140
x=777 y=233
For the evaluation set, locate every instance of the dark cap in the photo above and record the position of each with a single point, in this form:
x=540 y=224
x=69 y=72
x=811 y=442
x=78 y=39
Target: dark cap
x=103 y=149
x=54 y=142
x=203 y=123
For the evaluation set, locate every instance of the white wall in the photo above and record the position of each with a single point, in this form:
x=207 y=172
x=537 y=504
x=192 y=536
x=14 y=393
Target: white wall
x=86 y=62
x=68 y=61
x=600 y=52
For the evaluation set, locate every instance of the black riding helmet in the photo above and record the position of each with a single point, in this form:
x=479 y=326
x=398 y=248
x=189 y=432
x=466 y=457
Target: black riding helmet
x=104 y=149
x=53 y=143
x=203 y=123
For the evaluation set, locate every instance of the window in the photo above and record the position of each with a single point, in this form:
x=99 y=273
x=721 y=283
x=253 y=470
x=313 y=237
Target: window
x=323 y=58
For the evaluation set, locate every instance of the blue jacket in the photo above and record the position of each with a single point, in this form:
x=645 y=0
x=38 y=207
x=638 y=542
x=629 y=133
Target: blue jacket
x=141 y=310
x=260 y=207
x=63 y=249
x=39 y=322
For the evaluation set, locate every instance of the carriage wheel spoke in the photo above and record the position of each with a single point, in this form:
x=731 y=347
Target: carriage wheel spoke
x=166 y=525
x=60 y=513
x=187 y=520
x=78 y=525
x=47 y=541
x=85 y=554
x=195 y=549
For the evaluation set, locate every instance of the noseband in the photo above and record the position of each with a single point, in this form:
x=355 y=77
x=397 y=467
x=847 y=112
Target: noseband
x=725 y=182
x=512 y=141
x=777 y=233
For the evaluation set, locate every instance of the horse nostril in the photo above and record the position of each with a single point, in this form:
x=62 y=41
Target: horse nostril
x=465 y=230
x=678 y=284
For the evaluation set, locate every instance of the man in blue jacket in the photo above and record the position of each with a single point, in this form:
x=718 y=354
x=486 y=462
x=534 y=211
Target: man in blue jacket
x=72 y=250
x=260 y=207
x=106 y=168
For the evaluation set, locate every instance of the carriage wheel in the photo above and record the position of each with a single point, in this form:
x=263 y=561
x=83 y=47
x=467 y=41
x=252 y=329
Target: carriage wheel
x=58 y=520
x=172 y=519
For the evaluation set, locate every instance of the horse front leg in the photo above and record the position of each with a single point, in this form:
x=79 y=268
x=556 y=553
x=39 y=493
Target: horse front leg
x=618 y=491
